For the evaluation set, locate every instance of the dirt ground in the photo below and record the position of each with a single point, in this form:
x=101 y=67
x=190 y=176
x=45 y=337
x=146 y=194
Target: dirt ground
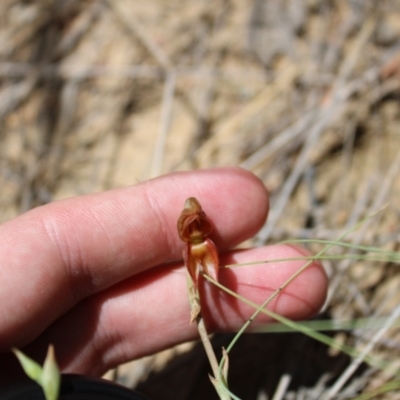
x=96 y=95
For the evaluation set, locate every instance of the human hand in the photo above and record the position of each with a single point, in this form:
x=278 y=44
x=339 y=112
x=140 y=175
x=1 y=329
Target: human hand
x=99 y=276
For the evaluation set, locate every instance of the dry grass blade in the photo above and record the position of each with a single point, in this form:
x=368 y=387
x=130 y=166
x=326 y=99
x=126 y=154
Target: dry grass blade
x=358 y=360
x=166 y=115
x=139 y=32
x=13 y=95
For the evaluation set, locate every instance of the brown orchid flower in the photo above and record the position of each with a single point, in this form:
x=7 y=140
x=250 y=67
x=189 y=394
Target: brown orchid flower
x=200 y=254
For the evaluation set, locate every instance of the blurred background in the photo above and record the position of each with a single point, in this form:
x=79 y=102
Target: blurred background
x=96 y=95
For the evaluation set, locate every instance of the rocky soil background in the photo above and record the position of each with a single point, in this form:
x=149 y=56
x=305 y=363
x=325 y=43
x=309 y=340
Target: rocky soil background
x=96 y=95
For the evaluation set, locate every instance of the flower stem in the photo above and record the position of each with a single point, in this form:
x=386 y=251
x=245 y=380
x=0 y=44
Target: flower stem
x=211 y=357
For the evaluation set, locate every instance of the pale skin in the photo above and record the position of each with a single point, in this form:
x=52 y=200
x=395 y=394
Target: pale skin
x=102 y=277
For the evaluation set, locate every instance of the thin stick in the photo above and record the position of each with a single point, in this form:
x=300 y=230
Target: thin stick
x=195 y=312
x=207 y=345
x=201 y=327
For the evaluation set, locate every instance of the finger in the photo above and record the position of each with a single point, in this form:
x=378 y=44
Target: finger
x=58 y=254
x=148 y=314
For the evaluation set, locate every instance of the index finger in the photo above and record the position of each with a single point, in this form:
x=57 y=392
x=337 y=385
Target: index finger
x=58 y=254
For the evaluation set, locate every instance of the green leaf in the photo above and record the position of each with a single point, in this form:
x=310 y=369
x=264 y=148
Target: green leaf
x=51 y=377
x=31 y=368
x=48 y=377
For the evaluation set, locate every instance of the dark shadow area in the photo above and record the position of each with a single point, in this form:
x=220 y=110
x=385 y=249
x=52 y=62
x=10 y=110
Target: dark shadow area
x=257 y=363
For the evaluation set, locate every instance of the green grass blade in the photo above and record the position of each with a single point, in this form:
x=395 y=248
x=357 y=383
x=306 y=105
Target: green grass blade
x=51 y=377
x=48 y=377
x=328 y=325
x=385 y=388
x=30 y=367
x=296 y=326
x=309 y=331
x=369 y=249
x=355 y=257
